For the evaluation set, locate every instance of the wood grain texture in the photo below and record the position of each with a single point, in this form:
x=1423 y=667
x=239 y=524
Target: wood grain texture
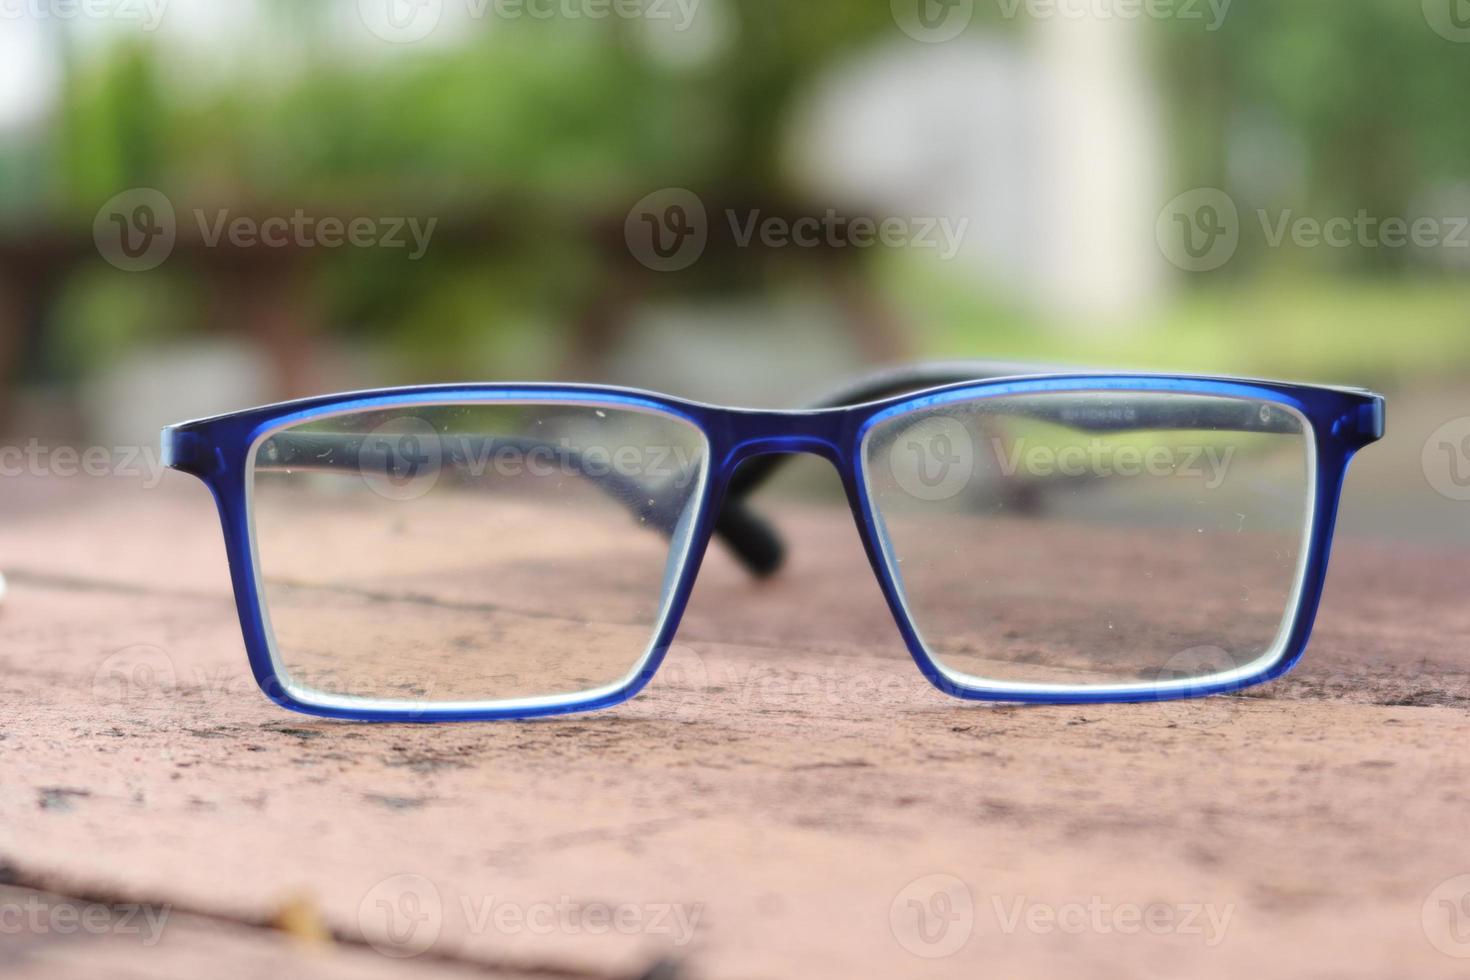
x=783 y=786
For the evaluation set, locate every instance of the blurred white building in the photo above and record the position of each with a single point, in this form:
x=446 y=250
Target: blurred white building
x=1047 y=140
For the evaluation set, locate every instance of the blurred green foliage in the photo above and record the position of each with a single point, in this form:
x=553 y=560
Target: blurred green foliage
x=582 y=111
x=556 y=124
x=1362 y=91
x=1381 y=332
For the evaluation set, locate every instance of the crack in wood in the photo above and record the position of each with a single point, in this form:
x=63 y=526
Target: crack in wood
x=13 y=876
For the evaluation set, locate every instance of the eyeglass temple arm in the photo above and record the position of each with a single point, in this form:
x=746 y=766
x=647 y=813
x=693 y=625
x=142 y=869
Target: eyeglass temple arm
x=1206 y=413
x=753 y=541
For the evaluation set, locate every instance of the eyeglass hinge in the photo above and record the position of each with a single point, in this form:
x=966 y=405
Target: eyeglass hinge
x=1367 y=422
x=184 y=451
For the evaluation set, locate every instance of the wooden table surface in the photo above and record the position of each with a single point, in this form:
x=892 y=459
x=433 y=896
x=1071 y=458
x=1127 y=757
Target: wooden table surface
x=790 y=799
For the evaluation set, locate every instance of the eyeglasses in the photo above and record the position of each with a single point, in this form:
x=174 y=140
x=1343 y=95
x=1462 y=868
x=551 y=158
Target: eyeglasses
x=515 y=550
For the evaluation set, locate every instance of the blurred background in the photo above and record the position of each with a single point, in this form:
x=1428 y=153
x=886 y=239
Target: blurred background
x=207 y=205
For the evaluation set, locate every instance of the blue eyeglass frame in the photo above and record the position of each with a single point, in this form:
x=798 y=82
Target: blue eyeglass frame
x=218 y=451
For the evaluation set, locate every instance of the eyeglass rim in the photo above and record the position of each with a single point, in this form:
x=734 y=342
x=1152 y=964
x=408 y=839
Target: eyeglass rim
x=216 y=450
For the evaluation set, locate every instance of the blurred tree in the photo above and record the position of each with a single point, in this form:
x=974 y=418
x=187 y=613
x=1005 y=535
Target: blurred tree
x=544 y=127
x=1363 y=88
x=545 y=132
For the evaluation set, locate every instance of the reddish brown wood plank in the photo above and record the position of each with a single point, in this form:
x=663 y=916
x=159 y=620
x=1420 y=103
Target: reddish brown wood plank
x=781 y=789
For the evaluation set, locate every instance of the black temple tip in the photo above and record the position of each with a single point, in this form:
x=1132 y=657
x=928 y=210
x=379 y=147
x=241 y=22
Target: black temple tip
x=754 y=542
